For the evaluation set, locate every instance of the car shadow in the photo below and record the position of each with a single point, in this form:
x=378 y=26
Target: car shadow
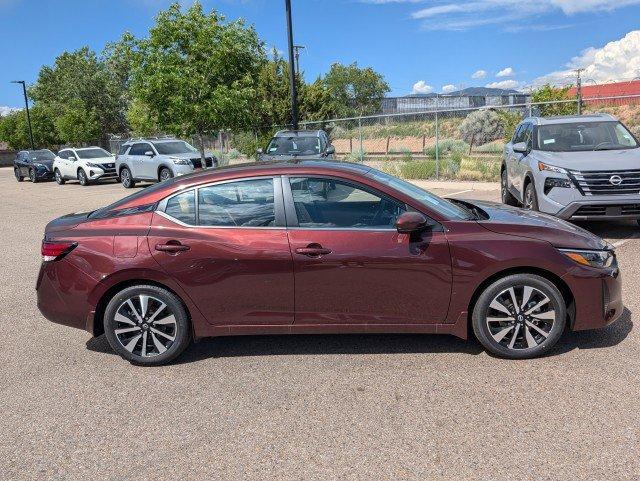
x=331 y=344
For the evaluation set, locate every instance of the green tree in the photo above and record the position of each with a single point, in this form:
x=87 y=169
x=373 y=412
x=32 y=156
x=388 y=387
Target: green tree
x=197 y=73
x=558 y=95
x=353 y=91
x=77 y=124
x=15 y=131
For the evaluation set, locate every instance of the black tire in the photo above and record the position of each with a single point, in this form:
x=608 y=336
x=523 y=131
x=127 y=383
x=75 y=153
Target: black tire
x=59 y=179
x=19 y=176
x=165 y=174
x=126 y=178
x=182 y=333
x=522 y=329
x=32 y=176
x=530 y=199
x=82 y=178
x=507 y=196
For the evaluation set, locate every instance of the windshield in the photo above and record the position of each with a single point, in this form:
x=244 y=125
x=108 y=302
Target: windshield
x=96 y=153
x=584 y=136
x=432 y=201
x=294 y=146
x=173 y=147
x=42 y=155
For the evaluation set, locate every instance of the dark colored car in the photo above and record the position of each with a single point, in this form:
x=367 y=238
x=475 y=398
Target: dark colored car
x=298 y=145
x=37 y=165
x=320 y=247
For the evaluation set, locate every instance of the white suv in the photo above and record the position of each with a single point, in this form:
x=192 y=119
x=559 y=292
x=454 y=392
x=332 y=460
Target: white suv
x=158 y=159
x=86 y=165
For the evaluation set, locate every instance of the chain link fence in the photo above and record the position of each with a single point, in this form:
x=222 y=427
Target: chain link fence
x=436 y=144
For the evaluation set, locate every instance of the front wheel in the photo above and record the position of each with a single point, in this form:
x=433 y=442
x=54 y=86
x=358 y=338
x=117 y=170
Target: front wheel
x=507 y=197
x=126 y=178
x=59 y=179
x=19 y=176
x=530 y=197
x=147 y=325
x=32 y=176
x=165 y=174
x=519 y=316
x=82 y=178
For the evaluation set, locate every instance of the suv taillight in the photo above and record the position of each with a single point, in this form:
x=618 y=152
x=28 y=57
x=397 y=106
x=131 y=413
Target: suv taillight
x=55 y=250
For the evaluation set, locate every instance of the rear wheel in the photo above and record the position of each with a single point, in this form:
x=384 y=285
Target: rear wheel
x=19 y=176
x=147 y=325
x=59 y=179
x=165 y=174
x=126 y=179
x=32 y=176
x=530 y=197
x=519 y=316
x=507 y=197
x=82 y=177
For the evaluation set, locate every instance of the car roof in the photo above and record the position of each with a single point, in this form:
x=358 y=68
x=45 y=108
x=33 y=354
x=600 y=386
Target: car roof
x=298 y=133
x=568 y=119
x=152 y=139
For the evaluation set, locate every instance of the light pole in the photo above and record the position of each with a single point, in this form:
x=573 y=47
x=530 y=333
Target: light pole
x=297 y=49
x=26 y=104
x=292 y=74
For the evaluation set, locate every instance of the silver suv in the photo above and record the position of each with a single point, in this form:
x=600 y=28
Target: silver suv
x=575 y=167
x=299 y=145
x=158 y=159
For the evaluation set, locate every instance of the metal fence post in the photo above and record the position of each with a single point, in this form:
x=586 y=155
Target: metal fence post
x=360 y=133
x=437 y=149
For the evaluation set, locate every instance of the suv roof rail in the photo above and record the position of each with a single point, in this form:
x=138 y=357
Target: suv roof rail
x=157 y=137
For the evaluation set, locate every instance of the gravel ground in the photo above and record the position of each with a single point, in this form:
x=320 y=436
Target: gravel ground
x=304 y=407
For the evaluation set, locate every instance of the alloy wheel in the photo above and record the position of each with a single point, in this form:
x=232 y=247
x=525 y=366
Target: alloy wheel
x=503 y=187
x=520 y=317
x=165 y=175
x=145 y=326
x=32 y=175
x=528 y=199
x=125 y=177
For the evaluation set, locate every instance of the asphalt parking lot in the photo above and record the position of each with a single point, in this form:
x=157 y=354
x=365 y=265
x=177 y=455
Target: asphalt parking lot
x=304 y=407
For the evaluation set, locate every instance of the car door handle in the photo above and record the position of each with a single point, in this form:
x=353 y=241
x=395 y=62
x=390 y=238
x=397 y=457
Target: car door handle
x=172 y=247
x=313 y=251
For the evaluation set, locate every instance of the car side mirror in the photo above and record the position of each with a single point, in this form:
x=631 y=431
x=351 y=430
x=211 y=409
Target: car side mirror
x=72 y=158
x=409 y=222
x=149 y=153
x=521 y=147
x=260 y=151
x=330 y=150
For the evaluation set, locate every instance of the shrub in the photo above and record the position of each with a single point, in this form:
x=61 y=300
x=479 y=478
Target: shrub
x=355 y=156
x=480 y=127
x=446 y=147
x=418 y=170
x=405 y=153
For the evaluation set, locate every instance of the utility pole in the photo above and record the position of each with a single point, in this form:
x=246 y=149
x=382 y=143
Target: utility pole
x=26 y=104
x=297 y=49
x=579 y=89
x=292 y=75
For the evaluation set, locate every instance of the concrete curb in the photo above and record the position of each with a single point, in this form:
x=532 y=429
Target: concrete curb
x=456 y=185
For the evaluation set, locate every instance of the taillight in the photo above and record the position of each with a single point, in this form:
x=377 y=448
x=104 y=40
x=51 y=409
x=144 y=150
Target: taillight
x=54 y=250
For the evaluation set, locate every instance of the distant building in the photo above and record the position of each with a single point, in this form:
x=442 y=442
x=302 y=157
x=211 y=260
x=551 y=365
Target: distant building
x=615 y=89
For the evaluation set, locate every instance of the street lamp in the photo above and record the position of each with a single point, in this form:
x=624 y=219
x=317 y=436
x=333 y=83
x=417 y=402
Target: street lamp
x=292 y=74
x=26 y=104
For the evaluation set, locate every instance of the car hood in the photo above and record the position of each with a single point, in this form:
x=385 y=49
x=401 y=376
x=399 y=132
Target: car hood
x=504 y=219
x=592 y=160
x=189 y=155
x=47 y=163
x=101 y=160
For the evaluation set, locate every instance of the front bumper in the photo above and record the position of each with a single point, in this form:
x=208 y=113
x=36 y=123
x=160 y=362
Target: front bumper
x=44 y=174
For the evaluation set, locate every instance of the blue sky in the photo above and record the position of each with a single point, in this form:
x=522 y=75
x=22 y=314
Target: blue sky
x=430 y=45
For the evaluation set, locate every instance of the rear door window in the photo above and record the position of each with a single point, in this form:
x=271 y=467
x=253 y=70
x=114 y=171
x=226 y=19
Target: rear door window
x=182 y=207
x=246 y=203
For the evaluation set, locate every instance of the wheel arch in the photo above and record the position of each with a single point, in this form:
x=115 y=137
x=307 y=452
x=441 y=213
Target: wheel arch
x=562 y=286
x=122 y=166
x=160 y=167
x=98 y=318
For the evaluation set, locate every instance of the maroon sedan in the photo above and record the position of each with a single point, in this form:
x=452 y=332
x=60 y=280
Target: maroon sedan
x=320 y=247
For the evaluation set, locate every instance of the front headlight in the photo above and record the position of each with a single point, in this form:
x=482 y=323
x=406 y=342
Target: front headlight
x=91 y=164
x=551 y=168
x=590 y=258
x=178 y=161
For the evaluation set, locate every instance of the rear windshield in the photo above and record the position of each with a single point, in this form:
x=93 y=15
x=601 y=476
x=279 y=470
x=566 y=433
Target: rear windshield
x=96 y=153
x=294 y=146
x=584 y=136
x=173 y=147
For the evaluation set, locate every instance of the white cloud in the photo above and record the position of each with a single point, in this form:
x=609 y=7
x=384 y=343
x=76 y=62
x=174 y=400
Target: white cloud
x=479 y=74
x=421 y=87
x=506 y=72
x=447 y=89
x=4 y=110
x=617 y=60
x=467 y=14
x=504 y=84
